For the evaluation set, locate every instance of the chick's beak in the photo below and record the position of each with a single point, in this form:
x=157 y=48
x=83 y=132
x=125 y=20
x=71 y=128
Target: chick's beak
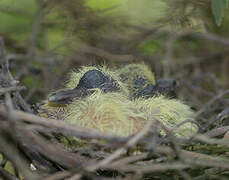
x=167 y=83
x=66 y=96
x=167 y=86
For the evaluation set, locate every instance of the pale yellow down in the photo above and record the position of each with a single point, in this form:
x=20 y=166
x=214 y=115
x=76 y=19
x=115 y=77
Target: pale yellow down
x=110 y=113
x=115 y=113
x=171 y=112
x=53 y=111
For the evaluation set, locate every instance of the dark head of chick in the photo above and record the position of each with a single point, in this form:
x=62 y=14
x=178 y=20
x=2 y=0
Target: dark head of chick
x=84 y=83
x=141 y=82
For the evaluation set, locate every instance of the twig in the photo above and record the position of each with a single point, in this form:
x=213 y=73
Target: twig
x=10 y=89
x=208 y=140
x=161 y=167
x=217 y=131
x=62 y=127
x=211 y=37
x=106 y=54
x=123 y=149
x=12 y=153
x=129 y=160
x=103 y=163
x=59 y=175
x=6 y=77
x=211 y=102
x=51 y=151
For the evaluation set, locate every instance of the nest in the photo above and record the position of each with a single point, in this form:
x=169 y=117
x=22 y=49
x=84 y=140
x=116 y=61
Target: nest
x=133 y=150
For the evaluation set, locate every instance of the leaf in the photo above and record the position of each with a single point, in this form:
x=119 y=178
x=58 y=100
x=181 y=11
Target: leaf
x=217 y=8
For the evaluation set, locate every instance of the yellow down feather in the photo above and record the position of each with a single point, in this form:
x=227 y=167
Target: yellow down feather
x=58 y=111
x=115 y=113
x=53 y=111
x=110 y=113
x=171 y=112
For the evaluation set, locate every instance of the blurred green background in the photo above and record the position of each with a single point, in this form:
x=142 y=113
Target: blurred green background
x=46 y=39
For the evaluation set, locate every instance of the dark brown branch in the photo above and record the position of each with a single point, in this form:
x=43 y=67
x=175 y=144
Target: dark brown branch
x=6 y=77
x=212 y=101
x=11 y=89
x=12 y=153
x=162 y=167
x=217 y=131
x=107 y=55
x=62 y=127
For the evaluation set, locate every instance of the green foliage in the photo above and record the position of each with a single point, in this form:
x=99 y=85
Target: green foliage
x=149 y=47
x=104 y=4
x=16 y=18
x=218 y=7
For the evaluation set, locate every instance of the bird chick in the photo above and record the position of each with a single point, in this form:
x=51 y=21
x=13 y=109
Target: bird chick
x=85 y=82
x=97 y=99
x=141 y=82
x=150 y=94
x=80 y=85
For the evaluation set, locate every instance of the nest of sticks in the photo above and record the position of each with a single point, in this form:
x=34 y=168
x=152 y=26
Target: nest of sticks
x=30 y=151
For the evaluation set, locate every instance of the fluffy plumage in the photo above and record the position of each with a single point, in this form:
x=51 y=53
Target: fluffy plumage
x=114 y=112
x=110 y=113
x=53 y=111
x=171 y=112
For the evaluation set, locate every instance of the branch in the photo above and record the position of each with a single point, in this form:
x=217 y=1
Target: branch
x=6 y=77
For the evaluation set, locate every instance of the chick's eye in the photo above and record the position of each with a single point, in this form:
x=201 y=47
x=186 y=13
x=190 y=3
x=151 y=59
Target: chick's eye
x=139 y=82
